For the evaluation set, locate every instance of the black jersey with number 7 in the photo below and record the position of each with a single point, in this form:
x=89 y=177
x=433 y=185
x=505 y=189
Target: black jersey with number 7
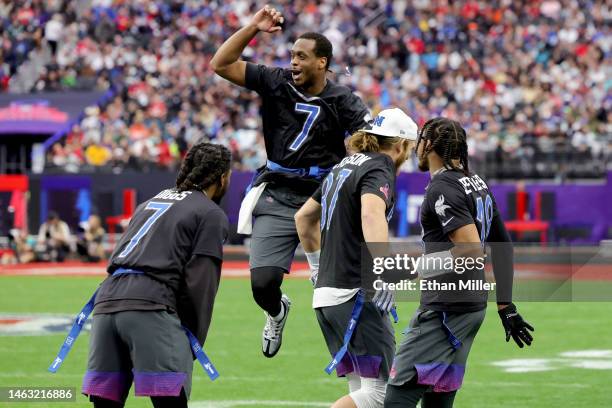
x=302 y=130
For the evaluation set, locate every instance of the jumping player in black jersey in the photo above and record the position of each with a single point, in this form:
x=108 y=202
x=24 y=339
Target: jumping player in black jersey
x=352 y=207
x=164 y=273
x=305 y=120
x=458 y=215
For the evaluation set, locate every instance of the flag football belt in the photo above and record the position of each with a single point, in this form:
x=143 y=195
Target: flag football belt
x=81 y=318
x=452 y=339
x=313 y=171
x=357 y=308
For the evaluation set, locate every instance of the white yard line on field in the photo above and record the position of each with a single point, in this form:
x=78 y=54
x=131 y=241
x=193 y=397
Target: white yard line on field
x=525 y=383
x=255 y=403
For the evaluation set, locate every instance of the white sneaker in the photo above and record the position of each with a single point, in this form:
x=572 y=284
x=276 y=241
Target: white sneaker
x=272 y=335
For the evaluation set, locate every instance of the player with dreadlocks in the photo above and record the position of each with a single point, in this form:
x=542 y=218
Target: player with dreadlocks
x=164 y=273
x=458 y=217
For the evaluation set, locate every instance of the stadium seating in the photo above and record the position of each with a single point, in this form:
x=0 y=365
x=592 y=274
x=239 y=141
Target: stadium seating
x=528 y=80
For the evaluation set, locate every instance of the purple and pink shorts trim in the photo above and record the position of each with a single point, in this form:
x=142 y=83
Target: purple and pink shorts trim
x=116 y=385
x=363 y=366
x=442 y=376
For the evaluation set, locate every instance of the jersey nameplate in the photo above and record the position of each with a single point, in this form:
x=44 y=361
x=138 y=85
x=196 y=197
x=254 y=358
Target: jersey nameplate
x=356 y=159
x=173 y=195
x=471 y=184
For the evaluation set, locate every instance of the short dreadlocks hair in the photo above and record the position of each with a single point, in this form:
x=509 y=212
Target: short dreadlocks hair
x=203 y=166
x=448 y=140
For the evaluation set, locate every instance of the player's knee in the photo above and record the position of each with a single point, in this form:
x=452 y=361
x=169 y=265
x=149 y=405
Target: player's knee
x=170 y=402
x=406 y=395
x=266 y=278
x=354 y=382
x=438 y=399
x=371 y=394
x=99 y=402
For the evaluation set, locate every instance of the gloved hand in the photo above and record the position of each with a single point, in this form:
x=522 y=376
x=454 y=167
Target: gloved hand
x=314 y=274
x=515 y=326
x=384 y=300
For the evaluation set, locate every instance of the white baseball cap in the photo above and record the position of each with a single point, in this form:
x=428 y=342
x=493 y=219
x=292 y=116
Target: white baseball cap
x=393 y=122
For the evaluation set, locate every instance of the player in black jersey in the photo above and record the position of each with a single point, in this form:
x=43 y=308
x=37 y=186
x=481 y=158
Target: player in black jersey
x=352 y=207
x=163 y=273
x=458 y=217
x=305 y=120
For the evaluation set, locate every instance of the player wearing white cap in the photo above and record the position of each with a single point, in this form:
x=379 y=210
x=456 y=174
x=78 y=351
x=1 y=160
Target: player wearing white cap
x=352 y=207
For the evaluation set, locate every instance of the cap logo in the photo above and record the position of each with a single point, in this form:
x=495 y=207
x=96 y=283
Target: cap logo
x=378 y=121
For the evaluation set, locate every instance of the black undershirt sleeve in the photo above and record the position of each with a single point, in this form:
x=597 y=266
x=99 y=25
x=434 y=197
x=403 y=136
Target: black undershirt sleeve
x=502 y=257
x=317 y=195
x=197 y=294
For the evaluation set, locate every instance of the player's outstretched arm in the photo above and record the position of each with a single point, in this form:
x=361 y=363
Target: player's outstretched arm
x=226 y=61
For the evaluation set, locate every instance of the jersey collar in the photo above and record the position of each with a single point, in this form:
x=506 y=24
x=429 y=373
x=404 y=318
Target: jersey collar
x=308 y=98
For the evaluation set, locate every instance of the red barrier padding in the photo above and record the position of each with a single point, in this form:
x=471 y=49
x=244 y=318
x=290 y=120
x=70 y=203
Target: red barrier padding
x=13 y=182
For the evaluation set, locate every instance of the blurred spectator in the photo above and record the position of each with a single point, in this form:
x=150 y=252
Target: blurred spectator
x=22 y=248
x=53 y=32
x=89 y=245
x=54 y=239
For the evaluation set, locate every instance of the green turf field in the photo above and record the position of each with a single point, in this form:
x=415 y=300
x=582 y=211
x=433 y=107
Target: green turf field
x=296 y=375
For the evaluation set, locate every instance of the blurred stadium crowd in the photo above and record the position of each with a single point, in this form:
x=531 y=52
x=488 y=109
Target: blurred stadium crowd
x=530 y=80
x=55 y=242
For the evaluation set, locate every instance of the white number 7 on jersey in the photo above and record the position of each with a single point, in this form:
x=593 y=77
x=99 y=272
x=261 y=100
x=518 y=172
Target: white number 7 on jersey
x=313 y=112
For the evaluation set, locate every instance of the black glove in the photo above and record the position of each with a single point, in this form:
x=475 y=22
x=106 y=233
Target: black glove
x=515 y=326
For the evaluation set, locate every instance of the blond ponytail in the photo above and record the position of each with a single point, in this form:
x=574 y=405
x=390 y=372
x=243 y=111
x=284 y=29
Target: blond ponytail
x=363 y=142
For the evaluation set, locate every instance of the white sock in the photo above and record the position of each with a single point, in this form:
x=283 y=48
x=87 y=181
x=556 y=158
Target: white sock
x=280 y=314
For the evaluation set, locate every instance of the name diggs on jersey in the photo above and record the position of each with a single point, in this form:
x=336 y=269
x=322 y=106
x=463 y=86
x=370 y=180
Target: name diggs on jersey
x=171 y=194
x=471 y=184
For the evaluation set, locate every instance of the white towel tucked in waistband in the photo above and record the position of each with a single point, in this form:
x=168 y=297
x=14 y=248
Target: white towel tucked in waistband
x=245 y=216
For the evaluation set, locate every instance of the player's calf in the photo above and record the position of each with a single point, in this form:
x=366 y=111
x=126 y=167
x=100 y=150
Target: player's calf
x=266 y=287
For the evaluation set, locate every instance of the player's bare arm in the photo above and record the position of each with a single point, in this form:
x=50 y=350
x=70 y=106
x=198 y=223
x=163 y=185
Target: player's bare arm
x=307 y=223
x=469 y=240
x=226 y=61
x=373 y=218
